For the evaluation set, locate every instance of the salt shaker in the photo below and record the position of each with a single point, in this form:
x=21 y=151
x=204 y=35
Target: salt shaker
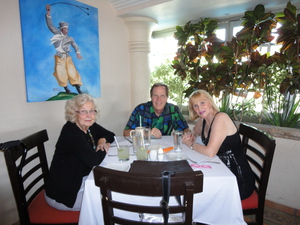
x=160 y=154
x=153 y=155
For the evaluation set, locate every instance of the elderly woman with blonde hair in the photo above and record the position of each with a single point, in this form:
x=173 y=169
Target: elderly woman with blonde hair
x=82 y=144
x=220 y=137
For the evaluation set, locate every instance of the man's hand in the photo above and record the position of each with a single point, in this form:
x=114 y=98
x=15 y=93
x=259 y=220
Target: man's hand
x=79 y=56
x=156 y=132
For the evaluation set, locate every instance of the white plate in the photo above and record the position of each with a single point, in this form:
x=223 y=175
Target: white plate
x=174 y=156
x=118 y=166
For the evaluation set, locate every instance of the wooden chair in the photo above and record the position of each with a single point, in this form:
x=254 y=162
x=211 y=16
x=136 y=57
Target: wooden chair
x=140 y=184
x=259 y=147
x=28 y=171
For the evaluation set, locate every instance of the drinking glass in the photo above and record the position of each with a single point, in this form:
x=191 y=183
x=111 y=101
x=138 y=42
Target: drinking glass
x=142 y=153
x=177 y=140
x=123 y=153
x=147 y=136
x=136 y=131
x=142 y=132
x=139 y=147
x=134 y=138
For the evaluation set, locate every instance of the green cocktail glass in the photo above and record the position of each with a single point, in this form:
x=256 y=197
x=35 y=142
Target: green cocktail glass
x=142 y=153
x=123 y=153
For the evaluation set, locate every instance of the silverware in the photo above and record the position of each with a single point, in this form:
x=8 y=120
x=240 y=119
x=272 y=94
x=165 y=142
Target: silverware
x=200 y=162
x=127 y=139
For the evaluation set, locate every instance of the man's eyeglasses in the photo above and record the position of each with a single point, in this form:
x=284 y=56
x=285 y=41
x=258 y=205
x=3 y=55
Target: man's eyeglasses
x=85 y=112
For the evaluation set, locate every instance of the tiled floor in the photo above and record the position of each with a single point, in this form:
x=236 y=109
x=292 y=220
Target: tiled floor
x=276 y=214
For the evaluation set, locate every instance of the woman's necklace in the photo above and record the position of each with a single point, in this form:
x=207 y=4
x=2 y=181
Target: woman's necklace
x=92 y=139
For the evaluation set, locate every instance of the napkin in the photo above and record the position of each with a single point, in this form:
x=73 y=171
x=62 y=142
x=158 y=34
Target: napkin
x=197 y=166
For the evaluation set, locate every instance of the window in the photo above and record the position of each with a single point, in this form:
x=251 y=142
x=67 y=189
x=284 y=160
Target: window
x=221 y=33
x=164 y=47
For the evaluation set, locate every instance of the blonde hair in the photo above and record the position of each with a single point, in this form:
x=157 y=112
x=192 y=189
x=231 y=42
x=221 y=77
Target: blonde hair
x=197 y=94
x=75 y=103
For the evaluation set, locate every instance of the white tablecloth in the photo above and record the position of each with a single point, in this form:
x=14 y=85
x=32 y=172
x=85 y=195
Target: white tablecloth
x=218 y=204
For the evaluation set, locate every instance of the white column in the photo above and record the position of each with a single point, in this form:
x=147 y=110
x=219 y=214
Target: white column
x=140 y=29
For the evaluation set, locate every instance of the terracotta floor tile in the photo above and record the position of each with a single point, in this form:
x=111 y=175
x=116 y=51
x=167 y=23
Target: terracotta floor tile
x=280 y=207
x=279 y=217
x=298 y=212
x=276 y=214
x=297 y=221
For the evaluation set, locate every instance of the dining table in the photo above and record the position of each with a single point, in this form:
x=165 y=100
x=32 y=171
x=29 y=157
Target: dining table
x=218 y=204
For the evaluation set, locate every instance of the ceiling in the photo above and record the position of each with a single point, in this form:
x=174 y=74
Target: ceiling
x=170 y=13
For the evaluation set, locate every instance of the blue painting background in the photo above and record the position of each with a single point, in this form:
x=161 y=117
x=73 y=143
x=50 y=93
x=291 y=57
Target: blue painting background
x=39 y=54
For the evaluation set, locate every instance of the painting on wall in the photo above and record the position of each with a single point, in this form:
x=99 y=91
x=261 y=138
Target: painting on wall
x=60 y=48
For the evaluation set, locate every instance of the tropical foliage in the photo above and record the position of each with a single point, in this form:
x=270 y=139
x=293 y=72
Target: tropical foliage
x=237 y=68
x=165 y=74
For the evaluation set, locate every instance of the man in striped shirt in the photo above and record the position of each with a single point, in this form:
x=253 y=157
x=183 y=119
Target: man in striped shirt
x=162 y=117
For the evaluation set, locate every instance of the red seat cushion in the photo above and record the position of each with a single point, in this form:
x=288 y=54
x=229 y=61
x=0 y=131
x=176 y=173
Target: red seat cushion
x=251 y=202
x=41 y=212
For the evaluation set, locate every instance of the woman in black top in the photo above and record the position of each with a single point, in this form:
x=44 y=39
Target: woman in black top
x=220 y=137
x=82 y=144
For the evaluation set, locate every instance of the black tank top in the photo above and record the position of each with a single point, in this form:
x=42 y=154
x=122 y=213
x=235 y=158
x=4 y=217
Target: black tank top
x=232 y=155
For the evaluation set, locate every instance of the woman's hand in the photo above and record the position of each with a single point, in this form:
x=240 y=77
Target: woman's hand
x=102 y=145
x=188 y=138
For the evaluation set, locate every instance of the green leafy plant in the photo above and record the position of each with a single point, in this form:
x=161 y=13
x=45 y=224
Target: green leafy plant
x=219 y=67
x=284 y=112
x=236 y=67
x=289 y=37
x=164 y=73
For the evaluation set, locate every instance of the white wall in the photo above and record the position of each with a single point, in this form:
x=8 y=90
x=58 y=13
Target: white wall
x=284 y=181
x=19 y=118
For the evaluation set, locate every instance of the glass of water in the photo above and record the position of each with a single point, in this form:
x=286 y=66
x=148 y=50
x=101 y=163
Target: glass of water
x=177 y=140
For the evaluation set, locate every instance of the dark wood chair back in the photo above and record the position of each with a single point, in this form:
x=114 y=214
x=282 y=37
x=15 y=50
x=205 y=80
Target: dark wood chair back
x=28 y=171
x=140 y=184
x=259 y=148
